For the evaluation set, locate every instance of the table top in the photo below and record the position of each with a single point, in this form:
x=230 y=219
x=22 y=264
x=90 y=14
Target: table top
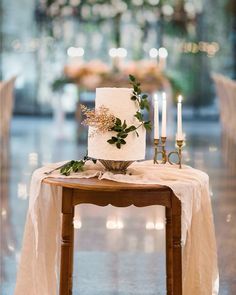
x=101 y=185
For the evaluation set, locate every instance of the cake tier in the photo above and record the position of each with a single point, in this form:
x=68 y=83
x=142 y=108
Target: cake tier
x=119 y=103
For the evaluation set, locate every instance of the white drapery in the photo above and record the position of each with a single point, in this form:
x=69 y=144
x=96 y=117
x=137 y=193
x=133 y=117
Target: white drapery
x=37 y=274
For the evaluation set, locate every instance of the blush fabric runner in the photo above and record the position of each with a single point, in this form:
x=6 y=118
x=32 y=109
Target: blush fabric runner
x=40 y=256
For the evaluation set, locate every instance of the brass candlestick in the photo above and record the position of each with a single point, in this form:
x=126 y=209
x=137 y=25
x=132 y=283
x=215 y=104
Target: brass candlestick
x=156 y=144
x=163 y=146
x=177 y=152
x=161 y=149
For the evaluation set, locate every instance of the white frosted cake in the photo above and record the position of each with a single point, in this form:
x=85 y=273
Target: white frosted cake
x=119 y=103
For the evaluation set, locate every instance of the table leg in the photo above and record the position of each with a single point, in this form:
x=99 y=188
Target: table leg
x=67 y=237
x=169 y=252
x=177 y=247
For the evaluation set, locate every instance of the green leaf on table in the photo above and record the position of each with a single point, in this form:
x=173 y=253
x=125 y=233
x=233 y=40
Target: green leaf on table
x=132 y=78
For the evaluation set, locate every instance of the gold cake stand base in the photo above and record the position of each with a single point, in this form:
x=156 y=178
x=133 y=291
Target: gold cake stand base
x=116 y=167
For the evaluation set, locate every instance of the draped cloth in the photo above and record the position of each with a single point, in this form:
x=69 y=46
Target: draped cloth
x=40 y=256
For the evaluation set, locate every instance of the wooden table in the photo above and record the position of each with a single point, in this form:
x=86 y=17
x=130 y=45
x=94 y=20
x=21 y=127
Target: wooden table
x=105 y=192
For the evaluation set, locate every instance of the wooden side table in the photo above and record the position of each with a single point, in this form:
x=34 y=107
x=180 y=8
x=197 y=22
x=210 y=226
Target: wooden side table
x=105 y=192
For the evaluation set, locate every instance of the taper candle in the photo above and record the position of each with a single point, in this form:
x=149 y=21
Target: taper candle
x=179 y=118
x=156 y=117
x=163 y=124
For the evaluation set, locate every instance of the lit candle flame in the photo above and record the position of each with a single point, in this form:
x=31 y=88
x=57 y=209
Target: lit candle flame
x=155 y=97
x=180 y=98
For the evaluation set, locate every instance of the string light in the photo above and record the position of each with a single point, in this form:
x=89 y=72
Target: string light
x=75 y=51
x=153 y=2
x=121 y=52
x=153 y=53
x=163 y=53
x=167 y=10
x=210 y=48
x=118 y=52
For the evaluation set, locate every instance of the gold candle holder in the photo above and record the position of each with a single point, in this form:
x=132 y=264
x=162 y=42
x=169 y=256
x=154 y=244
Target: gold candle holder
x=177 y=152
x=161 y=149
x=156 y=144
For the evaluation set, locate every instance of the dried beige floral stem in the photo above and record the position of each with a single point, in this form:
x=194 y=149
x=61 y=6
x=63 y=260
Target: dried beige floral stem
x=101 y=119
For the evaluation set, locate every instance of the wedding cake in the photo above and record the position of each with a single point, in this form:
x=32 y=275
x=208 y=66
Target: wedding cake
x=119 y=103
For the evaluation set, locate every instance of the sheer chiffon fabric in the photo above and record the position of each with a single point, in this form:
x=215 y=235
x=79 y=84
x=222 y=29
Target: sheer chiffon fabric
x=40 y=256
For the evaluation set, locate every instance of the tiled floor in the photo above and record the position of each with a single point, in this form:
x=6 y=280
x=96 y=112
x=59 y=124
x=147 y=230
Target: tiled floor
x=130 y=258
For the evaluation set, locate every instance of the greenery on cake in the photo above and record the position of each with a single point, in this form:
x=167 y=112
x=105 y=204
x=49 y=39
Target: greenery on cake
x=121 y=128
x=102 y=120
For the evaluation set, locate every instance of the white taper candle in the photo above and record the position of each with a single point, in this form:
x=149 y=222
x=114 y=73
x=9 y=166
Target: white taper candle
x=156 y=117
x=179 y=118
x=163 y=125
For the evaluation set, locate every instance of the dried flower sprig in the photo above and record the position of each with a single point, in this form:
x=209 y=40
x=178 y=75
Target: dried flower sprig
x=101 y=119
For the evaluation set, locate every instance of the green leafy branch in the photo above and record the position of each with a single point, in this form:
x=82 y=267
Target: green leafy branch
x=122 y=131
x=141 y=99
x=120 y=127
x=75 y=166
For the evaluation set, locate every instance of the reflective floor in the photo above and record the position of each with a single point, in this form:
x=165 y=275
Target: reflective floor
x=117 y=251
